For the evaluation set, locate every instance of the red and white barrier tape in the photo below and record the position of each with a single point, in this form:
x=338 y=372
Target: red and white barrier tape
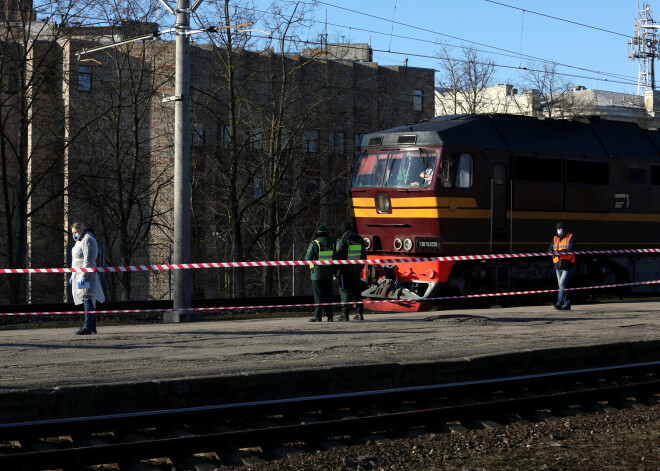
x=366 y=301
x=284 y=263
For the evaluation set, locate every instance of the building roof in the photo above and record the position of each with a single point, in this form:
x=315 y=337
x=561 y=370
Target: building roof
x=603 y=98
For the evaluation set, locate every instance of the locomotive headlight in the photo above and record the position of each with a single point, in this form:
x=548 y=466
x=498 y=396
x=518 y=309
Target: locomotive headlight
x=367 y=243
x=398 y=243
x=383 y=203
x=408 y=245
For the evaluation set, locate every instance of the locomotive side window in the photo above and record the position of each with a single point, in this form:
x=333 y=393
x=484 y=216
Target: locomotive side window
x=464 y=171
x=592 y=173
x=448 y=172
x=538 y=170
x=499 y=174
x=655 y=174
x=637 y=175
x=456 y=171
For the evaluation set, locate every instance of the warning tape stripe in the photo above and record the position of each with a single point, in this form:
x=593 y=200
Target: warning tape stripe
x=366 y=301
x=283 y=263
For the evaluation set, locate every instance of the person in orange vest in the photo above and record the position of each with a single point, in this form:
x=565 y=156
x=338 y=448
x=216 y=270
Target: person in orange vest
x=564 y=263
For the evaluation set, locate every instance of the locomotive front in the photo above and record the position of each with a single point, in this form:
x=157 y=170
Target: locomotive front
x=396 y=201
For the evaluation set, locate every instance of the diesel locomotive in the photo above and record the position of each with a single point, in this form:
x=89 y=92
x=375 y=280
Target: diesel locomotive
x=483 y=184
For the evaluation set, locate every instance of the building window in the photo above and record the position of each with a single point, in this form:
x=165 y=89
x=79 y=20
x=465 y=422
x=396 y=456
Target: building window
x=336 y=142
x=223 y=135
x=358 y=143
x=418 y=100
x=285 y=139
x=197 y=134
x=84 y=77
x=310 y=141
x=258 y=188
x=256 y=140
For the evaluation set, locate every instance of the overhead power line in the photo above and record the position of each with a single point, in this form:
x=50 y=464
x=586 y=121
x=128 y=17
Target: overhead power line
x=492 y=48
x=315 y=44
x=559 y=19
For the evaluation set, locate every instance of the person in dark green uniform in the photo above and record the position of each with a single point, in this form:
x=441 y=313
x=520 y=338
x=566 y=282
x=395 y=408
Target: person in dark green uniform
x=350 y=246
x=321 y=248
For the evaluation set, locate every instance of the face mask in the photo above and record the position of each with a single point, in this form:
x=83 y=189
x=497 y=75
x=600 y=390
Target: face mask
x=76 y=236
x=560 y=232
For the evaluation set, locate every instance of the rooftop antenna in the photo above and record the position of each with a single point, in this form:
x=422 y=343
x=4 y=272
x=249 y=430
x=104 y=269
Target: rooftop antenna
x=325 y=34
x=644 y=47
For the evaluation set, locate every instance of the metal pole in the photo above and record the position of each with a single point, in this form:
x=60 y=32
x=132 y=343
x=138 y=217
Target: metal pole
x=293 y=277
x=491 y=214
x=233 y=270
x=511 y=216
x=182 y=278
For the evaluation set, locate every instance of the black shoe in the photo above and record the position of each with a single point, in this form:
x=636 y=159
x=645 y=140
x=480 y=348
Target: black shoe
x=83 y=331
x=331 y=319
x=93 y=331
x=558 y=306
x=358 y=317
x=343 y=318
x=315 y=319
x=566 y=308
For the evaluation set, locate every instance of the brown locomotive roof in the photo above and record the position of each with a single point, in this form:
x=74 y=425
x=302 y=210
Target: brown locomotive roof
x=592 y=137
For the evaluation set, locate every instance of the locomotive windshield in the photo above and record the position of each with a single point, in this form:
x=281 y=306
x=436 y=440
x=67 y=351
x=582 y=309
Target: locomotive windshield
x=395 y=169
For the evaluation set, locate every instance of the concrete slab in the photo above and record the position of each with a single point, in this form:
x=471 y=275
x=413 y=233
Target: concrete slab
x=48 y=361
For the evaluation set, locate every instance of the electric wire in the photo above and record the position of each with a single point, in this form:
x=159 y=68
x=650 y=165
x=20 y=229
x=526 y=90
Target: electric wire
x=499 y=50
x=620 y=78
x=503 y=53
x=560 y=19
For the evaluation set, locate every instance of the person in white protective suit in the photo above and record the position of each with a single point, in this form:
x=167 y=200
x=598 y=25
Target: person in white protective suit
x=85 y=287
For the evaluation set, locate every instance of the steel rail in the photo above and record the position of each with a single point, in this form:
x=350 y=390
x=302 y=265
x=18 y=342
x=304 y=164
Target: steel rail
x=242 y=438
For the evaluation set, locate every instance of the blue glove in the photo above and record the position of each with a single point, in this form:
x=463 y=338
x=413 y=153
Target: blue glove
x=71 y=279
x=81 y=283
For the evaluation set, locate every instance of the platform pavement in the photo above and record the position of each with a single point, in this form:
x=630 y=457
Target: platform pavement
x=48 y=361
x=50 y=372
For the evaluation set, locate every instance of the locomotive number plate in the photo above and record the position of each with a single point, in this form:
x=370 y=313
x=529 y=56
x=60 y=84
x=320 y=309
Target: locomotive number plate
x=428 y=244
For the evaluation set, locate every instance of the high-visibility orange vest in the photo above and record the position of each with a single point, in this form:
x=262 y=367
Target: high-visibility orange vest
x=561 y=245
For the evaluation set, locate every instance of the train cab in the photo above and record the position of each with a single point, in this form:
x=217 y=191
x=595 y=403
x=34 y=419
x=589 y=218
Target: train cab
x=398 y=193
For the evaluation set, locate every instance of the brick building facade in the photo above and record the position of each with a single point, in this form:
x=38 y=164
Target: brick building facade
x=334 y=101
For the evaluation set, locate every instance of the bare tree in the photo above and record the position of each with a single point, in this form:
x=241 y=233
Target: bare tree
x=555 y=90
x=463 y=82
x=31 y=136
x=267 y=172
x=121 y=185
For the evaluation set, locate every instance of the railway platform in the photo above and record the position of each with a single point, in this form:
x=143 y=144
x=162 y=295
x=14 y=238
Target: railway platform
x=50 y=372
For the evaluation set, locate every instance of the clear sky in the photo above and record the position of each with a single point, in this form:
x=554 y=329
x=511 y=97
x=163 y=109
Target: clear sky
x=417 y=29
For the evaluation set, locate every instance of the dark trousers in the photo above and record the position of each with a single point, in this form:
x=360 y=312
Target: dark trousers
x=322 y=290
x=350 y=290
x=90 y=317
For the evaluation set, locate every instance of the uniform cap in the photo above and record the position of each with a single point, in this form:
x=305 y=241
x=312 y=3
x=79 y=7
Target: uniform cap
x=346 y=226
x=321 y=229
x=560 y=225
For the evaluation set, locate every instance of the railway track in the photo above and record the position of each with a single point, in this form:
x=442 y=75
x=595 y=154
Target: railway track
x=255 y=431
